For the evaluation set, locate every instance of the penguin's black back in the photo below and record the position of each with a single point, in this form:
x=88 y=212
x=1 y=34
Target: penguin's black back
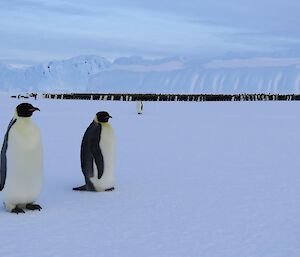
x=90 y=152
x=3 y=163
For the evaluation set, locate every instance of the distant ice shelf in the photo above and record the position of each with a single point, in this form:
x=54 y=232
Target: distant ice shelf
x=170 y=75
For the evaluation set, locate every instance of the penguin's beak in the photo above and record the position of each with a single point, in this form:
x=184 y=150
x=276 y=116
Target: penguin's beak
x=34 y=109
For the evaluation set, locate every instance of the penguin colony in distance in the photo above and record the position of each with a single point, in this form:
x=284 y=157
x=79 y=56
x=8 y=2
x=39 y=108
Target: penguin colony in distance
x=21 y=162
x=139 y=107
x=97 y=155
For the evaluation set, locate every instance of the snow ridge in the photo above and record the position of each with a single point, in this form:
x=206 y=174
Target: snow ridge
x=169 y=75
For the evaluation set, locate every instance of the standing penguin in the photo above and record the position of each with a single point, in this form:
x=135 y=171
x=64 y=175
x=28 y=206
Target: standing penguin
x=21 y=162
x=139 y=107
x=98 y=155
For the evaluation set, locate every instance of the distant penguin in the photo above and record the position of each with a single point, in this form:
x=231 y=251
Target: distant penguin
x=98 y=155
x=21 y=162
x=139 y=107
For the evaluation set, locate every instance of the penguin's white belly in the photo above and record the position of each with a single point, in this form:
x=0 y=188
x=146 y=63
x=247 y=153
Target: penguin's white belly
x=107 y=147
x=139 y=107
x=24 y=165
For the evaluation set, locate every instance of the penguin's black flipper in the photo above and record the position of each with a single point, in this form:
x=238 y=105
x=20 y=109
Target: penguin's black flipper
x=3 y=163
x=98 y=157
x=96 y=152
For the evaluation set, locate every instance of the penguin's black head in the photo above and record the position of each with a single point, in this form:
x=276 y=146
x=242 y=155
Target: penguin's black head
x=103 y=116
x=26 y=110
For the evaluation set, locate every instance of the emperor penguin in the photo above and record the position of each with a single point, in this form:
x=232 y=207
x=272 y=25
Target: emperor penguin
x=139 y=107
x=21 y=162
x=98 y=155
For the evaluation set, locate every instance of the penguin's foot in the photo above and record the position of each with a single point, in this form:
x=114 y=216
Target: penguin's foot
x=33 y=207
x=17 y=210
x=109 y=189
x=81 y=188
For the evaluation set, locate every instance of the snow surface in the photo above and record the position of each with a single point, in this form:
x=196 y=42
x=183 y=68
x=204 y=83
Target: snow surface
x=209 y=179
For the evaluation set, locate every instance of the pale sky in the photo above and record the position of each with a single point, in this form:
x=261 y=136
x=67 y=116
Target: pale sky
x=40 y=30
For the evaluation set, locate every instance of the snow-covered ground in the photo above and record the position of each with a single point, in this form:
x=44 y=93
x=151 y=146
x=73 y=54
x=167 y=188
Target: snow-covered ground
x=209 y=179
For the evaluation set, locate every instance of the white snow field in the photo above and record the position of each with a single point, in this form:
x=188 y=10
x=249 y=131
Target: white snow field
x=209 y=179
